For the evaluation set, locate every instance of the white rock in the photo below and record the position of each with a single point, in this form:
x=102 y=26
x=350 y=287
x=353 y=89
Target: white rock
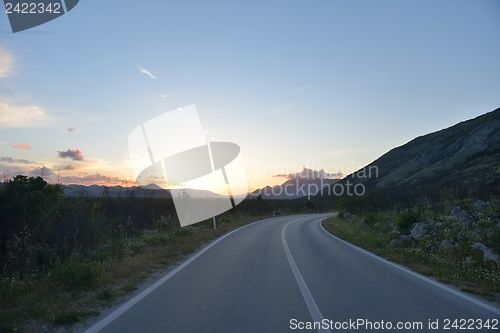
x=418 y=231
x=487 y=252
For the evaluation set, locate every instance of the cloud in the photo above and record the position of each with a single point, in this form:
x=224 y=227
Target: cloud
x=71 y=129
x=25 y=146
x=22 y=116
x=96 y=179
x=42 y=172
x=146 y=72
x=15 y=160
x=6 y=61
x=164 y=96
x=310 y=173
x=68 y=167
x=75 y=155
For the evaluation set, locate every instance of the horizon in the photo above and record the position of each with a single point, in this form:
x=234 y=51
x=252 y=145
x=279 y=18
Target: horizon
x=125 y=184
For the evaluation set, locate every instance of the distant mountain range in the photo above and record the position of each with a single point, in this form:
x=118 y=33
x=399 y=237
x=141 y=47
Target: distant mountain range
x=148 y=191
x=465 y=156
x=294 y=188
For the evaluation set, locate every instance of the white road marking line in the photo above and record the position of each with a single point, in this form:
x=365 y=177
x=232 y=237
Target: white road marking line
x=122 y=309
x=434 y=283
x=306 y=294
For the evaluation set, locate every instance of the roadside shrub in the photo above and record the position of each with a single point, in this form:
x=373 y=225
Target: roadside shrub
x=495 y=240
x=27 y=207
x=185 y=231
x=76 y=274
x=405 y=221
x=154 y=237
x=164 y=223
x=132 y=246
x=370 y=219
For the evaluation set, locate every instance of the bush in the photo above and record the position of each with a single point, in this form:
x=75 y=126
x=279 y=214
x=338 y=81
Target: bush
x=27 y=206
x=370 y=219
x=405 y=221
x=495 y=240
x=132 y=246
x=154 y=237
x=76 y=274
x=185 y=231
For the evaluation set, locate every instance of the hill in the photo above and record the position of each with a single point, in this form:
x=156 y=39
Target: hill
x=463 y=157
x=148 y=191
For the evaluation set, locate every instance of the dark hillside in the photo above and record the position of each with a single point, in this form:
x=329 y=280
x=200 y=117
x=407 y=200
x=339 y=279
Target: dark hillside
x=464 y=156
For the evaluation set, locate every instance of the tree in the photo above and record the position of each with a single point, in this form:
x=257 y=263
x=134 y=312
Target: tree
x=25 y=204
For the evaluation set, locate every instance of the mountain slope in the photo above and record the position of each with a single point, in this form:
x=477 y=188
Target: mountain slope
x=464 y=155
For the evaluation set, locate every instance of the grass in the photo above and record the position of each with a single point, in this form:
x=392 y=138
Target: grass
x=459 y=265
x=80 y=287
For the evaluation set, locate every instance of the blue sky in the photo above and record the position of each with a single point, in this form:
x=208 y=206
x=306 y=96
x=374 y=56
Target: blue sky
x=321 y=84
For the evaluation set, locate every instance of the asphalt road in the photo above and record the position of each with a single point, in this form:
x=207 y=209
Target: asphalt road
x=281 y=274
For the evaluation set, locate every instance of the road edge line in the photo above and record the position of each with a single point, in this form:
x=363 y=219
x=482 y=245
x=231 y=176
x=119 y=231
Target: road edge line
x=134 y=300
x=421 y=277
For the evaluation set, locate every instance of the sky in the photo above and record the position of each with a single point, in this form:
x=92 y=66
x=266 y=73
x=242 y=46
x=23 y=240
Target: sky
x=329 y=85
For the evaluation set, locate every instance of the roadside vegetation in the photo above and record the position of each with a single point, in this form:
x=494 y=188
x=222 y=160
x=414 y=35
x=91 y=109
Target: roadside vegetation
x=64 y=258
x=453 y=238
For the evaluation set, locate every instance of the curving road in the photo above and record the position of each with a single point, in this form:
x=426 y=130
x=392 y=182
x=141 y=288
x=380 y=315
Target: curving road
x=282 y=275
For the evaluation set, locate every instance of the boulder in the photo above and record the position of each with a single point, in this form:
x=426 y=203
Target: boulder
x=395 y=242
x=430 y=223
x=458 y=213
x=346 y=215
x=479 y=204
x=418 y=231
x=488 y=254
x=467 y=222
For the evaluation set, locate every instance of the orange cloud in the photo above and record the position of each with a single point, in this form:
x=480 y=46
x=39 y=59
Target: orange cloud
x=25 y=146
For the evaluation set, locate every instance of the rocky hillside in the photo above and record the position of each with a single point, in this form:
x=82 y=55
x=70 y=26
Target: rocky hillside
x=465 y=155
